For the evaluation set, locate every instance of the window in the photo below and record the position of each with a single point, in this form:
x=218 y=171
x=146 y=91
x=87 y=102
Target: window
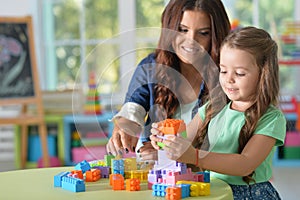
x=83 y=36
x=258 y=13
x=109 y=37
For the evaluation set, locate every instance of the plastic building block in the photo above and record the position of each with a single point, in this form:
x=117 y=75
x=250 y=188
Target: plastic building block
x=159 y=189
x=130 y=164
x=92 y=105
x=172 y=176
x=73 y=184
x=199 y=177
x=92 y=175
x=58 y=178
x=97 y=163
x=117 y=181
x=83 y=166
x=185 y=190
x=133 y=184
x=107 y=159
x=172 y=127
x=197 y=188
x=118 y=166
x=206 y=176
x=105 y=171
x=78 y=174
x=173 y=193
x=142 y=175
x=153 y=176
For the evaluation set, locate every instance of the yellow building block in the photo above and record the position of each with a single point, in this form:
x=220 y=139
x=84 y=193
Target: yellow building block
x=197 y=188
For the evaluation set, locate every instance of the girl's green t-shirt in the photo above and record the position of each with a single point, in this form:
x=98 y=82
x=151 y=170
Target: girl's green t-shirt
x=223 y=134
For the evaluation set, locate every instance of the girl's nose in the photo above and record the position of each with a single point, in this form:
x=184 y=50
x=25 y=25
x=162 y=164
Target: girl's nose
x=230 y=78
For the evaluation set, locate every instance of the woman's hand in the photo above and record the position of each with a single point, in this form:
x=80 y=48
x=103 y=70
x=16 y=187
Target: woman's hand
x=121 y=141
x=147 y=152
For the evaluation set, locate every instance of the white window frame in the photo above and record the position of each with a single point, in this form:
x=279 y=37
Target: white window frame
x=126 y=17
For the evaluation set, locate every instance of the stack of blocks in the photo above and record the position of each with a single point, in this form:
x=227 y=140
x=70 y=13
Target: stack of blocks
x=95 y=170
x=175 y=181
x=172 y=127
x=92 y=105
x=172 y=179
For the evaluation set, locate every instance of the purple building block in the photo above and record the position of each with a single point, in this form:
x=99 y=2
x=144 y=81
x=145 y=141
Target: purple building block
x=104 y=171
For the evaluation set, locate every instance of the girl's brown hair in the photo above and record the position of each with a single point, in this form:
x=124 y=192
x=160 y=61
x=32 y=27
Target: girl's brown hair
x=258 y=43
x=165 y=55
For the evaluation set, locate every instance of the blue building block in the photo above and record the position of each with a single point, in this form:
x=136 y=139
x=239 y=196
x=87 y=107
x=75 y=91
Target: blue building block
x=58 y=178
x=185 y=190
x=73 y=184
x=83 y=166
x=206 y=176
x=159 y=189
x=118 y=167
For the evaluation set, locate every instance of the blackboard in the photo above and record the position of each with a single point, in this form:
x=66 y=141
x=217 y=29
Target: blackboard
x=19 y=82
x=18 y=72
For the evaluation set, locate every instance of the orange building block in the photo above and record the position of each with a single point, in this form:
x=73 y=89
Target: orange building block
x=78 y=173
x=116 y=181
x=133 y=184
x=173 y=126
x=92 y=175
x=173 y=193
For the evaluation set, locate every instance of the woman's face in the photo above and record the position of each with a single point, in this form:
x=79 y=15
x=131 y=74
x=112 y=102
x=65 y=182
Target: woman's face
x=194 y=39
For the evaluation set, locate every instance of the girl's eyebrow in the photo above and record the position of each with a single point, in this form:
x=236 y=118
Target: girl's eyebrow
x=235 y=67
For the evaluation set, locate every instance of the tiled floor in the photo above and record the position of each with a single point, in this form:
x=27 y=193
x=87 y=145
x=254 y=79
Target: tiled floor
x=286 y=180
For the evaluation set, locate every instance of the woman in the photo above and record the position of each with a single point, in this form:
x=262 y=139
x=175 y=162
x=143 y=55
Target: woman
x=173 y=81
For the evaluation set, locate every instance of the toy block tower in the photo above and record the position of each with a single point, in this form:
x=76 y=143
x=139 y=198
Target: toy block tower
x=172 y=127
x=175 y=127
x=92 y=105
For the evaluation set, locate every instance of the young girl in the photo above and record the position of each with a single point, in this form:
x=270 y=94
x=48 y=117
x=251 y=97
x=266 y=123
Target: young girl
x=235 y=135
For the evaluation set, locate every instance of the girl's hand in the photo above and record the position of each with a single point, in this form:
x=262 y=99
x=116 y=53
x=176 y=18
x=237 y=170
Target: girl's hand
x=155 y=135
x=179 y=149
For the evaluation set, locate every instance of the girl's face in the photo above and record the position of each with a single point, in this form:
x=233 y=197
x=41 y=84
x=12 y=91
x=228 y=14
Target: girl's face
x=194 y=37
x=239 y=76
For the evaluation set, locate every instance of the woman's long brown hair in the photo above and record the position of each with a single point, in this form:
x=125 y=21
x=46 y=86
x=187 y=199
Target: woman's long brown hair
x=258 y=43
x=165 y=55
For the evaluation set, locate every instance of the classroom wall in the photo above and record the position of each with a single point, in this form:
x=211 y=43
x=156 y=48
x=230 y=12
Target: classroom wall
x=15 y=8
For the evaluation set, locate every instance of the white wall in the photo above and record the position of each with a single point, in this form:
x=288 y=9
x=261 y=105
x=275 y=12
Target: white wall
x=297 y=11
x=15 y=8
